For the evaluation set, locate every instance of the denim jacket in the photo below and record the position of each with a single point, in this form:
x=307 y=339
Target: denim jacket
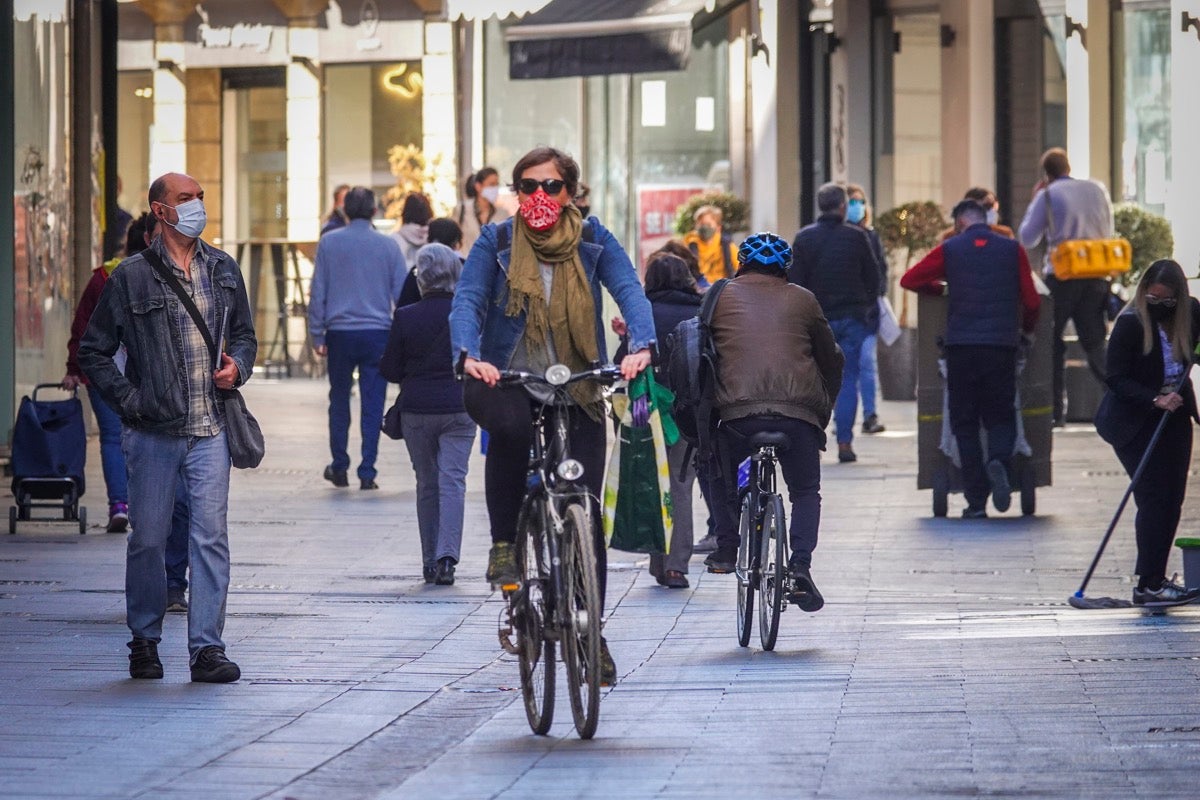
x=479 y=325
x=139 y=310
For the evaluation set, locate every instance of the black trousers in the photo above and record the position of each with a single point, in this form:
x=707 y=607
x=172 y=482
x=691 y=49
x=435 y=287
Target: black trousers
x=1159 y=492
x=1083 y=303
x=981 y=383
x=507 y=415
x=801 y=465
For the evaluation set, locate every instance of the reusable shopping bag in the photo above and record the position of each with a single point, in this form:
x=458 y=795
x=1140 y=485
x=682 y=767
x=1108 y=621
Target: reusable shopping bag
x=637 y=486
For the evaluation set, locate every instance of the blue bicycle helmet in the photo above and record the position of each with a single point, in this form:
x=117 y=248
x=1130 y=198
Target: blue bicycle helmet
x=766 y=249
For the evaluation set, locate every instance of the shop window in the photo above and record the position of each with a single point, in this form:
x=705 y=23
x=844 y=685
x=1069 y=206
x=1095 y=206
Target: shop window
x=1145 y=107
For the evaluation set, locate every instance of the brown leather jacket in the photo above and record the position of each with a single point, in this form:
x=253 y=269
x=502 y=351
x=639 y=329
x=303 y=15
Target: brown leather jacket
x=777 y=353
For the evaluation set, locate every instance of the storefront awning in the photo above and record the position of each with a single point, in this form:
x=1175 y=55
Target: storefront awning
x=484 y=9
x=602 y=37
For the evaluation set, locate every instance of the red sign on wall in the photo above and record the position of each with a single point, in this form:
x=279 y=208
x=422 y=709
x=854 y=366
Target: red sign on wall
x=656 y=209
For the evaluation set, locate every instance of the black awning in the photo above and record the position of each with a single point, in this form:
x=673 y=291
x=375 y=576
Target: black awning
x=602 y=37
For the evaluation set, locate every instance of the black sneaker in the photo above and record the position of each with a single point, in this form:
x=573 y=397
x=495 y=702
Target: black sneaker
x=846 y=454
x=445 y=571
x=974 y=513
x=212 y=666
x=177 y=599
x=871 y=425
x=429 y=573
x=367 y=484
x=804 y=591
x=336 y=477
x=608 y=667
x=502 y=565
x=143 y=659
x=1169 y=594
x=722 y=561
x=1001 y=490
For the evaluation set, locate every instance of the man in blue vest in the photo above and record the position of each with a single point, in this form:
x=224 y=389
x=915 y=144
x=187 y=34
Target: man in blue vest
x=990 y=291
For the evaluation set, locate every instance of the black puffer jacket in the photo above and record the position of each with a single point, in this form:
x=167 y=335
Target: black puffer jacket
x=670 y=307
x=835 y=262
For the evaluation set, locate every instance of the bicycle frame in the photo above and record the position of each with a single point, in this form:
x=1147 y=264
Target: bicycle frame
x=760 y=485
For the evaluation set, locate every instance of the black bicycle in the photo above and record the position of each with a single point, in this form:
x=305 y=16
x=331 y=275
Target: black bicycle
x=557 y=600
x=763 y=552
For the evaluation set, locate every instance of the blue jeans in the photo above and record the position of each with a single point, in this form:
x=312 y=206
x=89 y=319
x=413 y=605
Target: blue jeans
x=347 y=350
x=850 y=334
x=177 y=542
x=867 y=375
x=112 y=460
x=439 y=446
x=158 y=465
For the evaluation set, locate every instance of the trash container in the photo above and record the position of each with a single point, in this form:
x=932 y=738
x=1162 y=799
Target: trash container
x=935 y=470
x=1191 y=562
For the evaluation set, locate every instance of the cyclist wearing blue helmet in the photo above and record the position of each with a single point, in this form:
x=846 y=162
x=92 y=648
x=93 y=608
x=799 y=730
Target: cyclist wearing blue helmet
x=786 y=387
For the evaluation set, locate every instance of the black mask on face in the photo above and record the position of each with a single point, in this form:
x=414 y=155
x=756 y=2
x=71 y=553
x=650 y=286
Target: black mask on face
x=1159 y=313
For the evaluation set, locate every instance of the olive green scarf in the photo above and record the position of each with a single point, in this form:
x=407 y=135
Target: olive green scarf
x=570 y=318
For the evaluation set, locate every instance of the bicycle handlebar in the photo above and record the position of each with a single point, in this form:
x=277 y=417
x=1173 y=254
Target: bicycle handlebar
x=607 y=375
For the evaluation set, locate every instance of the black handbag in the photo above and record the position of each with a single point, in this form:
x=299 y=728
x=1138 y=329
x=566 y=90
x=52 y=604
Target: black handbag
x=242 y=431
x=391 y=426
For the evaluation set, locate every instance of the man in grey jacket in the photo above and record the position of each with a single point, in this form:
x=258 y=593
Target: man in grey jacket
x=1065 y=209
x=356 y=282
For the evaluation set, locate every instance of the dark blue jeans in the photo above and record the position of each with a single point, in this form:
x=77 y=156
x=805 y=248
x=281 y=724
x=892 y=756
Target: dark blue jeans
x=112 y=460
x=349 y=350
x=177 y=541
x=850 y=334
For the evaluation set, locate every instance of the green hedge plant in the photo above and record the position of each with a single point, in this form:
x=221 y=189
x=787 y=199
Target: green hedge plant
x=1149 y=236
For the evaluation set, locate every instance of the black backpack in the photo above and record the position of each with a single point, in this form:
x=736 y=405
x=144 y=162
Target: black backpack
x=692 y=373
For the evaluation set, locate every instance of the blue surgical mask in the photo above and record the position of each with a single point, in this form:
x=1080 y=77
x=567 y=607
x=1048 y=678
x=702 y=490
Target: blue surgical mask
x=855 y=211
x=192 y=218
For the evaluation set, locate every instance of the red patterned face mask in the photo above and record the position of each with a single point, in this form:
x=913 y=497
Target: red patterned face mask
x=539 y=211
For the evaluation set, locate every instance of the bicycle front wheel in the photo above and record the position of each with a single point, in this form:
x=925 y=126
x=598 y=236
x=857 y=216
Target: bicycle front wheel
x=530 y=615
x=773 y=576
x=745 y=572
x=580 y=615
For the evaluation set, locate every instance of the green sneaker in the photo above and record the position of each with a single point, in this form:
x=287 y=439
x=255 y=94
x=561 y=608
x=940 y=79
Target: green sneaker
x=502 y=565
x=608 y=667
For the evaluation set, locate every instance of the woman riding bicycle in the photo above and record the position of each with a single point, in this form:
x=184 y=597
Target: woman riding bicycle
x=529 y=297
x=779 y=368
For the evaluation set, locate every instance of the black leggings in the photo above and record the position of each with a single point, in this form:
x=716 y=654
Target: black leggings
x=1159 y=493
x=507 y=415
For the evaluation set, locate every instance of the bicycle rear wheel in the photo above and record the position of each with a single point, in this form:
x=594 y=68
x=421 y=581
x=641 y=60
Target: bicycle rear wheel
x=580 y=614
x=530 y=615
x=772 y=581
x=745 y=573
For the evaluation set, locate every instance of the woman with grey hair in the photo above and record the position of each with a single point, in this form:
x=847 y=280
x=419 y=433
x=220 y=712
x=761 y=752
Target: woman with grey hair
x=437 y=430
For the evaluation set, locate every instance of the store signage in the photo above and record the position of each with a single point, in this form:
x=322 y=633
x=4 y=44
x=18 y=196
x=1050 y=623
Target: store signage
x=241 y=35
x=657 y=206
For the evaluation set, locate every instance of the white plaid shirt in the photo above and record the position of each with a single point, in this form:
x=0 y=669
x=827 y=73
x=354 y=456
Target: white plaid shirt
x=203 y=418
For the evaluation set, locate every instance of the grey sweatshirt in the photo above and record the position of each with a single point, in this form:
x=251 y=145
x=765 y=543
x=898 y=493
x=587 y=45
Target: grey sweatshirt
x=1081 y=210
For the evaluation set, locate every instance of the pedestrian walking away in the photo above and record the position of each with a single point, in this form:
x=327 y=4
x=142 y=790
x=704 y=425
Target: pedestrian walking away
x=990 y=287
x=437 y=430
x=834 y=261
x=1148 y=355
x=760 y=322
x=858 y=212
x=357 y=279
x=173 y=419
x=529 y=297
x=413 y=231
x=1065 y=209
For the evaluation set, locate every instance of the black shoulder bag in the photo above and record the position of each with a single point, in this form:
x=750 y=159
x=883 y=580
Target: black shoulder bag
x=242 y=431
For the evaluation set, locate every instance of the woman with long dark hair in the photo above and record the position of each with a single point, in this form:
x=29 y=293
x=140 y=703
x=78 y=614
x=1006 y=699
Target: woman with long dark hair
x=482 y=190
x=1149 y=351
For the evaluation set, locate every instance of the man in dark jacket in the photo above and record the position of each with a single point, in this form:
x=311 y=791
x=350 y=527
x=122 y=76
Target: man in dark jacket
x=173 y=417
x=761 y=322
x=991 y=289
x=835 y=262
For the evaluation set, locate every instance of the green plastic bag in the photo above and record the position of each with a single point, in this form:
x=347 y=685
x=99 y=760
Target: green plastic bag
x=637 y=488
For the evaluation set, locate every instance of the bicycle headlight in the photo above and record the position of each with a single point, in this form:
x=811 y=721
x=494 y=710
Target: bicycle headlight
x=569 y=469
x=558 y=374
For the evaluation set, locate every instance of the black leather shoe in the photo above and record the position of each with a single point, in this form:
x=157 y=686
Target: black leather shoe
x=445 y=571
x=722 y=561
x=337 y=478
x=143 y=659
x=429 y=574
x=212 y=666
x=367 y=484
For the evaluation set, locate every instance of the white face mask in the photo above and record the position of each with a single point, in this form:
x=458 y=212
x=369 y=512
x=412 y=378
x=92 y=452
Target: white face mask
x=993 y=216
x=192 y=218
x=490 y=193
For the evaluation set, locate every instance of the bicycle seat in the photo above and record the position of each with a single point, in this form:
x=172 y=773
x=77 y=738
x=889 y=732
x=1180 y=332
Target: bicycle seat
x=774 y=439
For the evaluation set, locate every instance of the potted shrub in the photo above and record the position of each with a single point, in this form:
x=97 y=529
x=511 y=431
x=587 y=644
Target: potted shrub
x=1149 y=236
x=735 y=211
x=907 y=232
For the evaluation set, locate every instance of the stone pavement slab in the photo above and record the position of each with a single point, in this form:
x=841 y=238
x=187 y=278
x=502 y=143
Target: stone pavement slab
x=945 y=663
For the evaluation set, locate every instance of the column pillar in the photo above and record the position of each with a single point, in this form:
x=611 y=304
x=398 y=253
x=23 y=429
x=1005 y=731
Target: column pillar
x=1079 y=114
x=968 y=97
x=303 y=136
x=851 y=92
x=438 y=115
x=1100 y=92
x=1183 y=193
x=774 y=190
x=168 y=137
x=203 y=142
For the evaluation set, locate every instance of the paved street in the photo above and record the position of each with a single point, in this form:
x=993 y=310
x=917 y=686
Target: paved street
x=946 y=662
